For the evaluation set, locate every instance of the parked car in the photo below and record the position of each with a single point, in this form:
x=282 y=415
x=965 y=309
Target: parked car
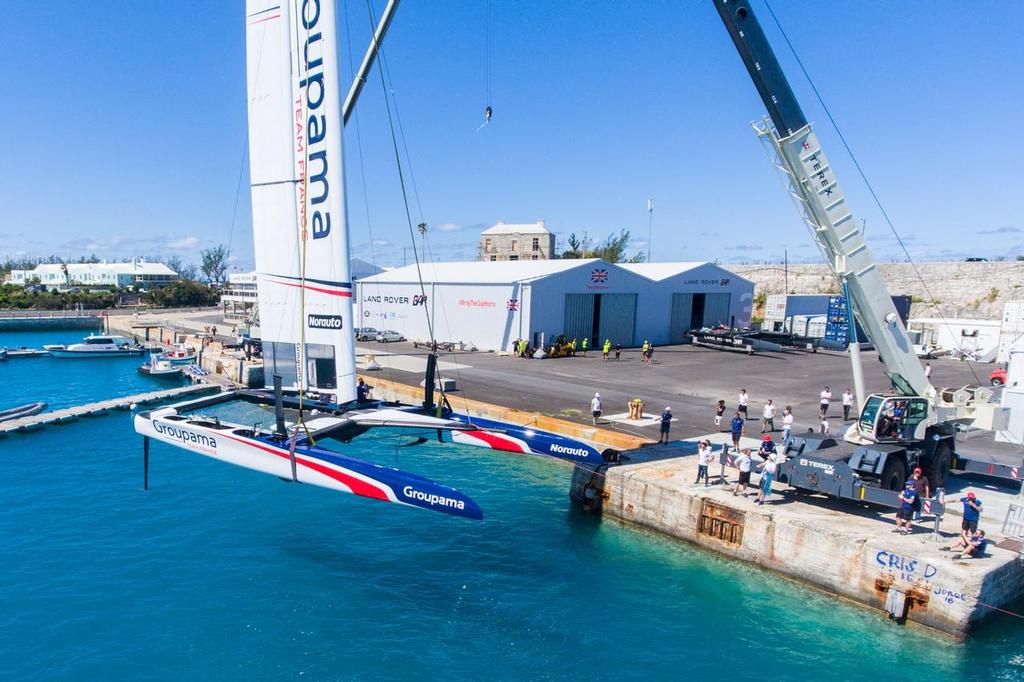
x=366 y=334
x=998 y=376
x=389 y=335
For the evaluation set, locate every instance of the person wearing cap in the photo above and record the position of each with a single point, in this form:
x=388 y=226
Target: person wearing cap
x=922 y=489
x=595 y=407
x=906 y=510
x=767 y=447
x=703 y=460
x=666 y=424
x=768 y=469
x=972 y=513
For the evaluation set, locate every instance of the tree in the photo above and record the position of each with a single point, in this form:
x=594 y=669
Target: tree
x=183 y=294
x=612 y=249
x=215 y=263
x=186 y=271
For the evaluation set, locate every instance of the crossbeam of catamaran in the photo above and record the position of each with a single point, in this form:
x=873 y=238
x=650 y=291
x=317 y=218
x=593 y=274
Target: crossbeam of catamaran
x=301 y=244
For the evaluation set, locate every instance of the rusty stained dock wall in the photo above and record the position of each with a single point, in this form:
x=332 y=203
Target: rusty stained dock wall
x=815 y=549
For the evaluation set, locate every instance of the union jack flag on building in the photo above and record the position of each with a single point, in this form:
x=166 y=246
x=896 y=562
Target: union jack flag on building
x=513 y=304
x=599 y=275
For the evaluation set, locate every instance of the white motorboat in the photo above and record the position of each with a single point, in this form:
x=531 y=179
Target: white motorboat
x=160 y=367
x=180 y=355
x=97 y=346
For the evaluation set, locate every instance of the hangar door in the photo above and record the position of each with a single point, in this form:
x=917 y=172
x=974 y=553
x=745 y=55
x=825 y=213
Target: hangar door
x=601 y=316
x=691 y=311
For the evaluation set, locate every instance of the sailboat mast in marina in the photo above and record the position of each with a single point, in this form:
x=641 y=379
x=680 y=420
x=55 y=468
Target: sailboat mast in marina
x=305 y=293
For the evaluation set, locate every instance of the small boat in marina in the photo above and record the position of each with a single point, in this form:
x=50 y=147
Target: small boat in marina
x=180 y=355
x=160 y=367
x=24 y=352
x=22 y=411
x=97 y=346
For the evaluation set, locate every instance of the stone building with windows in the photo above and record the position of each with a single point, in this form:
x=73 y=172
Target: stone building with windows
x=517 y=241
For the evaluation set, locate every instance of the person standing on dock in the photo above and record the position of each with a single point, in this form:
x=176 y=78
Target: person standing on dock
x=768 y=417
x=787 y=425
x=906 y=511
x=618 y=351
x=847 y=404
x=743 y=463
x=703 y=460
x=922 y=489
x=737 y=425
x=972 y=514
x=585 y=343
x=719 y=413
x=825 y=396
x=742 y=401
x=606 y=349
x=666 y=424
x=595 y=407
x=928 y=371
x=768 y=469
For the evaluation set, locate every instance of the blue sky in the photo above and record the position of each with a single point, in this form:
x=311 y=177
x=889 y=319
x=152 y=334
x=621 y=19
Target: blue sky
x=124 y=126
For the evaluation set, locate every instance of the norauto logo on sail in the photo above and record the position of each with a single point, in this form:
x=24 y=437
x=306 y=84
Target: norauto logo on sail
x=313 y=147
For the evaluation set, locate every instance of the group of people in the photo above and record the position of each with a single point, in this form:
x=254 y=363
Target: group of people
x=771 y=411
x=972 y=540
x=769 y=465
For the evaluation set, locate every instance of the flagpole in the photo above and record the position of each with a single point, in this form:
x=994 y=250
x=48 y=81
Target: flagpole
x=650 y=226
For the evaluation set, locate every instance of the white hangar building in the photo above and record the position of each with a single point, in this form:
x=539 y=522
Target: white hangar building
x=492 y=303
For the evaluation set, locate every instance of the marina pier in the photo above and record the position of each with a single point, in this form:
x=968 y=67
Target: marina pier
x=101 y=407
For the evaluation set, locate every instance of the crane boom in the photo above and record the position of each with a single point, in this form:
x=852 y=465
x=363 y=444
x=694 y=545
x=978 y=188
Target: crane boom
x=816 y=189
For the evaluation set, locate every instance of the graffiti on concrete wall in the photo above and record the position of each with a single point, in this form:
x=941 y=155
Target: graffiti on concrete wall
x=908 y=568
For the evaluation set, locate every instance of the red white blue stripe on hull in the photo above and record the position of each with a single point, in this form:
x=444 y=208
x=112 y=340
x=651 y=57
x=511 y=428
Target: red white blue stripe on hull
x=237 y=445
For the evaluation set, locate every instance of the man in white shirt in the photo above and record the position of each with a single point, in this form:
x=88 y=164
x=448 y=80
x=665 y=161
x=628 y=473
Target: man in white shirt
x=742 y=402
x=703 y=460
x=847 y=404
x=787 y=426
x=595 y=407
x=743 y=463
x=768 y=417
x=826 y=396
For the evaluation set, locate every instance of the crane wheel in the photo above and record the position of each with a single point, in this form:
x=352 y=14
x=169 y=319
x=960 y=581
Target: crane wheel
x=894 y=473
x=936 y=467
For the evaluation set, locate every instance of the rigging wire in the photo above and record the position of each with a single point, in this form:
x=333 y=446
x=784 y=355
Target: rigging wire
x=401 y=180
x=362 y=171
x=864 y=178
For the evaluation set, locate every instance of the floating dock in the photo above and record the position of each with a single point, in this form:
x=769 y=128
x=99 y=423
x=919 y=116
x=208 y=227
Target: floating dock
x=839 y=547
x=94 y=409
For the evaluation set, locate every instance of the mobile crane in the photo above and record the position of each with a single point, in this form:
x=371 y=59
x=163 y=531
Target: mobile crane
x=916 y=424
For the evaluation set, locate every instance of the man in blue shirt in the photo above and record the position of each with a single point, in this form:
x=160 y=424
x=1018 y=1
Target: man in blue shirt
x=767 y=447
x=737 y=430
x=972 y=512
x=906 y=511
x=666 y=424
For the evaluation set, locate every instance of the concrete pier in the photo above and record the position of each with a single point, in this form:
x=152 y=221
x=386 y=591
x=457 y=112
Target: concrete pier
x=37 y=320
x=62 y=416
x=833 y=545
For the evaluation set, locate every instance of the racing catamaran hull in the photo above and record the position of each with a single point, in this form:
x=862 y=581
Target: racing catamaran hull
x=314 y=465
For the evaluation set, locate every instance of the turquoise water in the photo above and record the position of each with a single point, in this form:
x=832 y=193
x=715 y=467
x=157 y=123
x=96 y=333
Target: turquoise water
x=218 y=572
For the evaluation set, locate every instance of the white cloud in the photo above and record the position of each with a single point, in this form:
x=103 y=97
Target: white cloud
x=183 y=244
x=448 y=227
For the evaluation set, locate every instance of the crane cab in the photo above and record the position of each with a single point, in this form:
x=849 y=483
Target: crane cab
x=894 y=419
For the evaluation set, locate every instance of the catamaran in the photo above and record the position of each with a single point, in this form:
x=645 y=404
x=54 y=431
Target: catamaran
x=301 y=245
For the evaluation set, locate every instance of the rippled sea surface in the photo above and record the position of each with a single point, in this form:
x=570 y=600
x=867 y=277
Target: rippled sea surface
x=218 y=572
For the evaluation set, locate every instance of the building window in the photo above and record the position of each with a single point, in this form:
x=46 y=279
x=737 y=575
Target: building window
x=534 y=257
x=487 y=244
x=494 y=258
x=514 y=245
x=513 y=257
x=536 y=243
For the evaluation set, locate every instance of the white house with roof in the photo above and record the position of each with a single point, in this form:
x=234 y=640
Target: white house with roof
x=491 y=304
x=138 y=274
x=517 y=241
